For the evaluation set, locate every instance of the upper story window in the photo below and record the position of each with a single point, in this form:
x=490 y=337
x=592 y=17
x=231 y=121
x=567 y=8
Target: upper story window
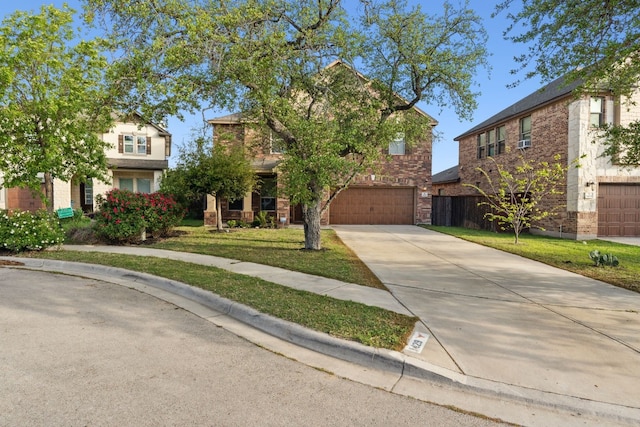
x=134 y=144
x=491 y=143
x=482 y=140
x=525 y=132
x=396 y=147
x=277 y=145
x=596 y=111
x=501 y=139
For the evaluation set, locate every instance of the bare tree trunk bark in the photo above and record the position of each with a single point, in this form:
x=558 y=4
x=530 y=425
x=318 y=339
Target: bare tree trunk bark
x=218 y=213
x=312 y=213
x=48 y=191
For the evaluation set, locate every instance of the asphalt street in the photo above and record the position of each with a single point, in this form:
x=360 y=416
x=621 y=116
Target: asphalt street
x=78 y=352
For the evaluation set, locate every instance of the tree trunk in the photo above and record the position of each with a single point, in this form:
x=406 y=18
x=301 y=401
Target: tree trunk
x=48 y=191
x=218 y=213
x=312 y=213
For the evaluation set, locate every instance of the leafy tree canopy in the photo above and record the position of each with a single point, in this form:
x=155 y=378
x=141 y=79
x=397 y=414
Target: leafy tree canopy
x=269 y=59
x=53 y=101
x=586 y=40
x=224 y=172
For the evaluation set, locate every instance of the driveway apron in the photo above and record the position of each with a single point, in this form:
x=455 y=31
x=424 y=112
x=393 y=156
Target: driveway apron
x=508 y=319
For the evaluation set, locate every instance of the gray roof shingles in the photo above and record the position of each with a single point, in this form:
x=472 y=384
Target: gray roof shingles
x=556 y=89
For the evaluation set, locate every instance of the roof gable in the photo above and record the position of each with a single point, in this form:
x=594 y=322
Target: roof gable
x=238 y=118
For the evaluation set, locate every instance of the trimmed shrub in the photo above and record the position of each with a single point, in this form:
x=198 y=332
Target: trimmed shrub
x=125 y=217
x=27 y=231
x=163 y=213
x=121 y=216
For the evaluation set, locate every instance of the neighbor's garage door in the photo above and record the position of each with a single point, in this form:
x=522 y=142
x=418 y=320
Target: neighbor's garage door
x=618 y=210
x=388 y=205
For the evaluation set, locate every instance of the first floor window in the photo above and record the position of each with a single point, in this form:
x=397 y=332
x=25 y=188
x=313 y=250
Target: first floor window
x=268 y=194
x=125 y=184
x=144 y=185
x=139 y=185
x=236 y=205
x=88 y=192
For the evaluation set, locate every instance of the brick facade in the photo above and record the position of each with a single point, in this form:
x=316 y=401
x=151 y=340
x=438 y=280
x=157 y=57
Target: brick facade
x=560 y=124
x=413 y=169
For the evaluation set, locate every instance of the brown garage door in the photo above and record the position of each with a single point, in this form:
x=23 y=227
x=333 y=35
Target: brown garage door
x=388 y=205
x=618 y=210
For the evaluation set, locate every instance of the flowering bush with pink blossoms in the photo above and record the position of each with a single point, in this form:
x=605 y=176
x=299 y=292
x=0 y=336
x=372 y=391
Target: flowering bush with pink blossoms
x=126 y=217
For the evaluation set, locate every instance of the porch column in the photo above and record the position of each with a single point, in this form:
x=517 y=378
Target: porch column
x=247 y=209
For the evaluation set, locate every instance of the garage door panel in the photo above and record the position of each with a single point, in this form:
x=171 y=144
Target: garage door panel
x=373 y=205
x=619 y=210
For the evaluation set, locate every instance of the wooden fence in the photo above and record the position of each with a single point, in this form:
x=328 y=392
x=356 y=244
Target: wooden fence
x=460 y=211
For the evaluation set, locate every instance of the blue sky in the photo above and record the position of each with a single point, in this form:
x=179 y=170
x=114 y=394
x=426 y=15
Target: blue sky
x=494 y=97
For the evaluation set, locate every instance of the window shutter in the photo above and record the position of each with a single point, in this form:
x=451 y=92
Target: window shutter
x=120 y=143
x=148 y=145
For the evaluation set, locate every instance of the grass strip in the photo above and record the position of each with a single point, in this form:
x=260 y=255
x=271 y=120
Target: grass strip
x=566 y=254
x=348 y=320
x=277 y=248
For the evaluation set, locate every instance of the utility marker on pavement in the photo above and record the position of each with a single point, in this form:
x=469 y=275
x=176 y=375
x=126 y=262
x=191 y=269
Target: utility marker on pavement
x=417 y=342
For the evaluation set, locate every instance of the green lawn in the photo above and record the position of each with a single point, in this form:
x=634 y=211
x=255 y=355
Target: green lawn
x=567 y=254
x=348 y=320
x=277 y=248
x=371 y=326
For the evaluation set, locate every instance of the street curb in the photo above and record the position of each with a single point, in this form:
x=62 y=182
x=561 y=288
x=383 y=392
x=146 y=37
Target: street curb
x=405 y=367
x=375 y=358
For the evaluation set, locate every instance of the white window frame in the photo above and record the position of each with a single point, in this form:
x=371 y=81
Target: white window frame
x=139 y=181
x=525 y=134
x=120 y=180
x=88 y=192
x=397 y=146
x=134 y=144
x=276 y=144
x=596 y=110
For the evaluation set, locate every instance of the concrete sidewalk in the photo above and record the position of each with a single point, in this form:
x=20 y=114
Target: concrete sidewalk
x=508 y=337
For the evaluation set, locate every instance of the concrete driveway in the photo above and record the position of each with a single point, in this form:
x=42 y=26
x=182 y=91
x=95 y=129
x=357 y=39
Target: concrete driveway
x=509 y=320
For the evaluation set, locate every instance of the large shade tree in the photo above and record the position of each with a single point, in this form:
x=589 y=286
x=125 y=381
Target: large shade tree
x=269 y=59
x=594 y=42
x=53 y=102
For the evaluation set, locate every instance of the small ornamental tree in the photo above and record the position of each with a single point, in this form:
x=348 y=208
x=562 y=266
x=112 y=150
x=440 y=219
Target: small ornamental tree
x=515 y=196
x=224 y=172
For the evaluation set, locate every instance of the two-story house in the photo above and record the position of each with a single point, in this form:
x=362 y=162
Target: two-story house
x=397 y=193
x=137 y=160
x=600 y=197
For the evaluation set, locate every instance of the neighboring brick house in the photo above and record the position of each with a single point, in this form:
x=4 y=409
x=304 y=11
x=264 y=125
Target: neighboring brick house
x=600 y=198
x=396 y=194
x=137 y=160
